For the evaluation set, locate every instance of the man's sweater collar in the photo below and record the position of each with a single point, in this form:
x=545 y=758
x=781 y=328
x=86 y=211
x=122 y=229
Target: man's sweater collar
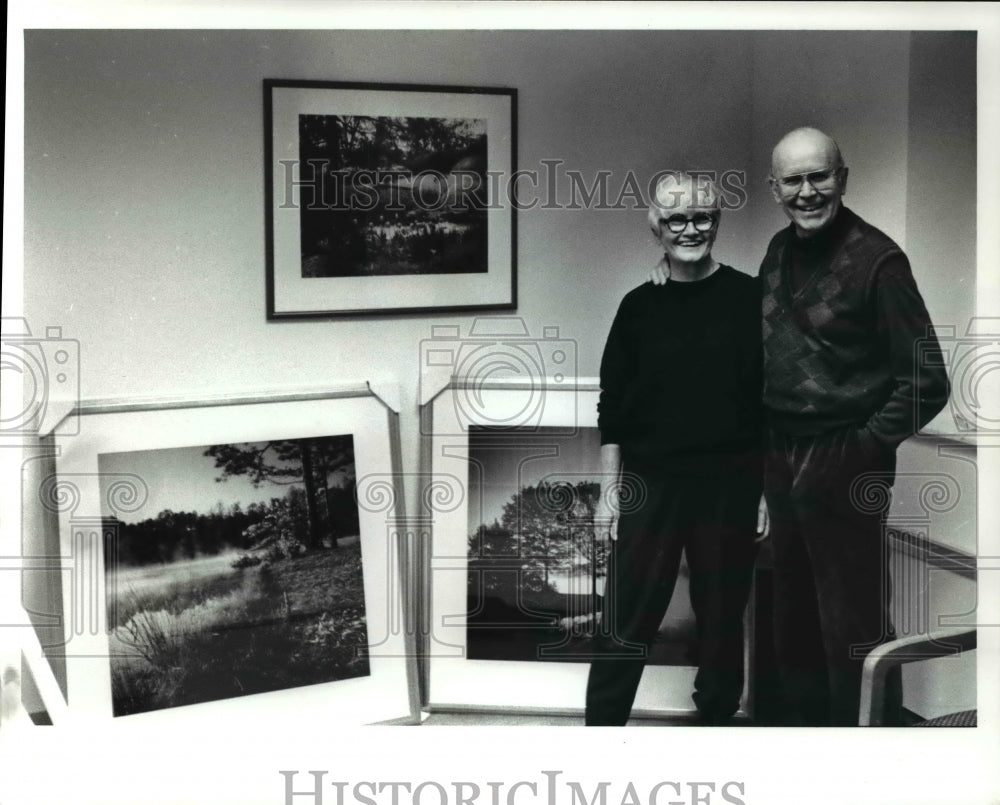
x=824 y=240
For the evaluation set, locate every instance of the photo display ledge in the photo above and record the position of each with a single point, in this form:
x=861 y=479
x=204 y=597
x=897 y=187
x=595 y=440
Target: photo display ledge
x=513 y=577
x=236 y=560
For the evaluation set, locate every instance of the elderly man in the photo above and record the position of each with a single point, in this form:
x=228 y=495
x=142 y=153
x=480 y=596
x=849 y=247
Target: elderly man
x=842 y=389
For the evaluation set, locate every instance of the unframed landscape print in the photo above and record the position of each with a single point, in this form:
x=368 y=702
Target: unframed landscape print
x=536 y=565
x=242 y=573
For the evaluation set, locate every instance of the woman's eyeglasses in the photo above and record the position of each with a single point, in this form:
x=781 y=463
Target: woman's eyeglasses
x=678 y=223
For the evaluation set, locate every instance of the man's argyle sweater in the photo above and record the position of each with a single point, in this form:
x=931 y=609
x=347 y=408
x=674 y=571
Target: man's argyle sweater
x=850 y=343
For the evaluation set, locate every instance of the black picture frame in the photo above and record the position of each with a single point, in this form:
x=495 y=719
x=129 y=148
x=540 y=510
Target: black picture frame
x=388 y=198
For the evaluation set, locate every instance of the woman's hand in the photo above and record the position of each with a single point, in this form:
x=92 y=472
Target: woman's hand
x=606 y=516
x=763 y=521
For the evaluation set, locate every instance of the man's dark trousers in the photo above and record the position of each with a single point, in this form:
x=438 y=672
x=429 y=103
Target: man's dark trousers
x=826 y=497
x=712 y=520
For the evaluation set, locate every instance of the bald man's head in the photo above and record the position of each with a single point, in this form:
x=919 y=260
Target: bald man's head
x=800 y=142
x=808 y=178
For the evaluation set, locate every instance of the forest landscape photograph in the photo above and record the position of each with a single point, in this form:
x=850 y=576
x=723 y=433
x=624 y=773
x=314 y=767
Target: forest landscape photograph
x=241 y=574
x=392 y=195
x=536 y=564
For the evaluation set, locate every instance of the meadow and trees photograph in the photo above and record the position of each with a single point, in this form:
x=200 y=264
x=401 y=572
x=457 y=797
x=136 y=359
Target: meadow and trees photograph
x=392 y=195
x=241 y=574
x=536 y=563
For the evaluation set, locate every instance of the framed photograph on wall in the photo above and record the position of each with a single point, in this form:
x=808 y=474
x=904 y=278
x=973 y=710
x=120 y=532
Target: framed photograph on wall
x=388 y=198
x=236 y=559
x=514 y=575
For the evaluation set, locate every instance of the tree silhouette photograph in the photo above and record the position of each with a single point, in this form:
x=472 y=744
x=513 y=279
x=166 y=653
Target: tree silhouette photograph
x=384 y=196
x=536 y=563
x=241 y=574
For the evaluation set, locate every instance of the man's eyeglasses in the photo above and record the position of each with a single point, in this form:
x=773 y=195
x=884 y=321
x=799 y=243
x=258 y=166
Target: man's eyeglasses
x=821 y=180
x=702 y=221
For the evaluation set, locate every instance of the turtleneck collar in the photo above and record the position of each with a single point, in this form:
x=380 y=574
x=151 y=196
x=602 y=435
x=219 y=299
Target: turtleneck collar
x=825 y=237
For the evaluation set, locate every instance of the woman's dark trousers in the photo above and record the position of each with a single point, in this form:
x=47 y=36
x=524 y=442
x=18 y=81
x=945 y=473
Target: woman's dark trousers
x=712 y=519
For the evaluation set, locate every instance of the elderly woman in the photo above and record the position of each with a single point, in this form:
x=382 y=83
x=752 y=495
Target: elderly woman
x=679 y=415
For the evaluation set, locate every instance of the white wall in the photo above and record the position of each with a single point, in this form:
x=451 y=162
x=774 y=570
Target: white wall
x=941 y=173
x=856 y=88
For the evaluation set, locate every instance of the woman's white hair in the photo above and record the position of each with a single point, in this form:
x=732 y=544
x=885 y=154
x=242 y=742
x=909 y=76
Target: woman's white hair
x=674 y=188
